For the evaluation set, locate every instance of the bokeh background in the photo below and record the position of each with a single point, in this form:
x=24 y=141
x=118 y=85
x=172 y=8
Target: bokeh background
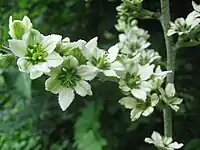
x=30 y=117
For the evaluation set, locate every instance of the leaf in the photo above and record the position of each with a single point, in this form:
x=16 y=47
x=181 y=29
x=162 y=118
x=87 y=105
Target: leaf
x=18 y=81
x=87 y=136
x=23 y=85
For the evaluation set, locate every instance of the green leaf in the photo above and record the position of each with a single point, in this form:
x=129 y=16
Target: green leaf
x=18 y=81
x=87 y=136
x=23 y=85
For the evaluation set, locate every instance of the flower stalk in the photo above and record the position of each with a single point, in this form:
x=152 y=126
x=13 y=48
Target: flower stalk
x=171 y=55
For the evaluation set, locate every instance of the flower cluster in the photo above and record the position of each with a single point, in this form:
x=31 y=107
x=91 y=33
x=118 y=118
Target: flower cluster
x=142 y=76
x=69 y=65
x=72 y=65
x=163 y=143
x=187 y=28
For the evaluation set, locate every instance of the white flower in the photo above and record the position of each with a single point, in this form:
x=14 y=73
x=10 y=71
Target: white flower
x=70 y=77
x=196 y=7
x=136 y=79
x=170 y=99
x=168 y=96
x=36 y=53
x=104 y=61
x=158 y=77
x=66 y=46
x=148 y=56
x=164 y=143
x=183 y=26
x=18 y=28
x=138 y=107
x=133 y=40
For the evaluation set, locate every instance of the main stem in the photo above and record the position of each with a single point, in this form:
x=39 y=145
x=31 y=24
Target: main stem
x=171 y=55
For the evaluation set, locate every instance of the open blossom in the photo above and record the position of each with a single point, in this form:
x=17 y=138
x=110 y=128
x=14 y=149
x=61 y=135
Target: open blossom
x=148 y=56
x=163 y=143
x=70 y=77
x=18 y=28
x=183 y=26
x=196 y=7
x=36 y=53
x=169 y=97
x=135 y=79
x=104 y=61
x=133 y=40
x=139 y=107
x=158 y=77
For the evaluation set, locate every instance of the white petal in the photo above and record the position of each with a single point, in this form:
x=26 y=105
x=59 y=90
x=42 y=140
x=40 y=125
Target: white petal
x=123 y=86
x=43 y=67
x=154 y=99
x=146 y=86
x=54 y=59
x=87 y=72
x=110 y=73
x=70 y=62
x=49 y=43
x=113 y=52
x=27 y=22
x=65 y=98
x=170 y=90
x=167 y=140
x=18 y=47
x=140 y=94
x=128 y=102
x=149 y=140
x=145 y=71
x=135 y=114
x=176 y=101
x=156 y=137
x=92 y=44
x=148 y=111
x=195 y=6
x=174 y=107
x=10 y=22
x=117 y=66
x=83 y=88
x=90 y=48
x=24 y=65
x=53 y=85
x=32 y=37
x=175 y=145
x=35 y=74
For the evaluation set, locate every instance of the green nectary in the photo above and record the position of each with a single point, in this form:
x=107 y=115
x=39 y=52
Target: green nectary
x=101 y=62
x=36 y=54
x=132 y=80
x=68 y=77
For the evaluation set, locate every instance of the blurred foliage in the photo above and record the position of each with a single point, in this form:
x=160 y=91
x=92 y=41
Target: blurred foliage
x=30 y=117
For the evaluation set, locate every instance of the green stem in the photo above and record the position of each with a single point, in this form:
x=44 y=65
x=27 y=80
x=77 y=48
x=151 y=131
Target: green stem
x=171 y=56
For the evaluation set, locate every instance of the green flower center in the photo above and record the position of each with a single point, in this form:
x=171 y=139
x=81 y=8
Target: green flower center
x=101 y=63
x=36 y=54
x=143 y=105
x=132 y=80
x=144 y=60
x=68 y=77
